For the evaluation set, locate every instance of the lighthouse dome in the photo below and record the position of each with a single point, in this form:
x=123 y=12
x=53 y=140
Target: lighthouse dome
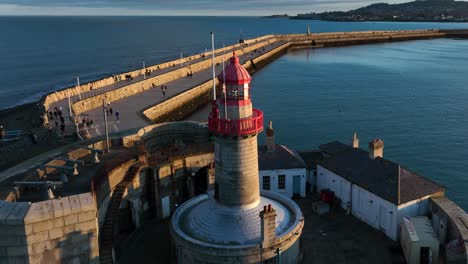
x=235 y=73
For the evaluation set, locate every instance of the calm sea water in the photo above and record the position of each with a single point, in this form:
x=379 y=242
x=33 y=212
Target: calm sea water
x=41 y=54
x=413 y=95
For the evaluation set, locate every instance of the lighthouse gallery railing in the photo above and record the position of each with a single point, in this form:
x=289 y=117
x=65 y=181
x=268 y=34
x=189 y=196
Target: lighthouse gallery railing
x=244 y=126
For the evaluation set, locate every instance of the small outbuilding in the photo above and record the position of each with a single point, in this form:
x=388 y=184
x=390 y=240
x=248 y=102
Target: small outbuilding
x=375 y=190
x=281 y=169
x=418 y=240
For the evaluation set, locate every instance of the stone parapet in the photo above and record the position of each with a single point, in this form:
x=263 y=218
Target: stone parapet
x=451 y=224
x=173 y=104
x=52 y=231
x=56 y=96
x=191 y=250
x=134 y=88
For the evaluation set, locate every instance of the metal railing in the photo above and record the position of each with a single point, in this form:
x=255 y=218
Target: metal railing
x=246 y=126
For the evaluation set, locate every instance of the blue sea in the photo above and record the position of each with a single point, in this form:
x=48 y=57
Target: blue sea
x=412 y=94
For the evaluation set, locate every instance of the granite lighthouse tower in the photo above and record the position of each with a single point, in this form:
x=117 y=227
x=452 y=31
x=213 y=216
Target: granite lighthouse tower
x=235 y=124
x=236 y=223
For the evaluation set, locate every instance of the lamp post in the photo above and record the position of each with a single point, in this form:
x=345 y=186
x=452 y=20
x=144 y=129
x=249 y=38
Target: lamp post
x=78 y=86
x=104 y=110
x=144 y=70
x=69 y=104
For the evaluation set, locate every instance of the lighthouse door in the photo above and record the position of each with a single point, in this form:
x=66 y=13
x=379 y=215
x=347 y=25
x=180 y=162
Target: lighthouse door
x=297 y=185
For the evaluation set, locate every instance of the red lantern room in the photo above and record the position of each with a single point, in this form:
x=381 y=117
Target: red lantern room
x=232 y=113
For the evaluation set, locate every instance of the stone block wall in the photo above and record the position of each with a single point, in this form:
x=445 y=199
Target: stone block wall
x=348 y=38
x=167 y=107
x=456 y=228
x=54 y=231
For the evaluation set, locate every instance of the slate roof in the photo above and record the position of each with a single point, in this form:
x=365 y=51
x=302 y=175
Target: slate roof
x=333 y=148
x=311 y=158
x=281 y=158
x=382 y=177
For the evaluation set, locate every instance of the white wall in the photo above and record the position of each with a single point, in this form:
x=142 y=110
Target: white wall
x=369 y=207
x=365 y=205
x=411 y=209
x=290 y=173
x=375 y=211
x=329 y=180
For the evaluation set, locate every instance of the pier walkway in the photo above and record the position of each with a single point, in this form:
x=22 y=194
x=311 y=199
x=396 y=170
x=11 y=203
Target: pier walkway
x=130 y=107
x=130 y=99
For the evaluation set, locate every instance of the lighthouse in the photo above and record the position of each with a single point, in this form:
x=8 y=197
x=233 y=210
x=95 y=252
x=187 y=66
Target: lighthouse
x=235 y=125
x=236 y=223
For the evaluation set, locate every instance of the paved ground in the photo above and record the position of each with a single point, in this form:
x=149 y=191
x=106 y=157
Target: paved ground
x=332 y=238
x=129 y=107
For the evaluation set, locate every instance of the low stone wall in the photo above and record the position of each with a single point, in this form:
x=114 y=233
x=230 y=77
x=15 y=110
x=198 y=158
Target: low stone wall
x=189 y=100
x=111 y=174
x=362 y=37
x=55 y=231
x=138 y=87
x=56 y=96
x=179 y=106
x=451 y=223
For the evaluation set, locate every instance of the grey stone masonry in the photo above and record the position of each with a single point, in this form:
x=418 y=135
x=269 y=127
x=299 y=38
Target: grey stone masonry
x=268 y=220
x=237 y=171
x=62 y=230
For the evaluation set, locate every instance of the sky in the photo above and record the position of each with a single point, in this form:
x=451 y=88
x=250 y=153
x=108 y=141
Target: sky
x=178 y=7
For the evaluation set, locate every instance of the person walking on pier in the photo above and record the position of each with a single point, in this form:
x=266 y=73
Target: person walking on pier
x=62 y=128
x=117 y=115
x=110 y=111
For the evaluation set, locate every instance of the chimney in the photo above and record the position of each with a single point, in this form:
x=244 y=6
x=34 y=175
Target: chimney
x=355 y=141
x=376 y=148
x=270 y=137
x=268 y=223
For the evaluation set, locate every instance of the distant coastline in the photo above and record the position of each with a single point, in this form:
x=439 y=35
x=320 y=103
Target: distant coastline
x=417 y=11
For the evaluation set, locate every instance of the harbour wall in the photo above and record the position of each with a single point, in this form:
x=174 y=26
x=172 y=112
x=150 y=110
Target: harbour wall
x=137 y=87
x=56 y=96
x=185 y=103
x=297 y=41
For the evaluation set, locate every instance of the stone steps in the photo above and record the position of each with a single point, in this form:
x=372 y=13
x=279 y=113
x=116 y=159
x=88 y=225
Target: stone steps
x=107 y=231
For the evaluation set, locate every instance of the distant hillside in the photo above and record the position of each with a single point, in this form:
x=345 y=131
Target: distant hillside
x=277 y=16
x=423 y=10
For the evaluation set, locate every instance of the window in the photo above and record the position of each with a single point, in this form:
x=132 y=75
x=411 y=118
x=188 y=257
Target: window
x=266 y=183
x=281 y=182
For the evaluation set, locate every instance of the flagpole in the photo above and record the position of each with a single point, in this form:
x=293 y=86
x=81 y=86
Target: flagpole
x=213 y=64
x=224 y=88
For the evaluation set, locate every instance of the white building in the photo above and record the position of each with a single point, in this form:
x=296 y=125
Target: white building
x=282 y=170
x=378 y=191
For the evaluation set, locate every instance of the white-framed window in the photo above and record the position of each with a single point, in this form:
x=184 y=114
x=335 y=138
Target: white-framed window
x=282 y=182
x=266 y=183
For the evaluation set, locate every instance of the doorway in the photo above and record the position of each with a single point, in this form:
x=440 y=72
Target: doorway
x=425 y=256
x=383 y=221
x=201 y=181
x=297 y=185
